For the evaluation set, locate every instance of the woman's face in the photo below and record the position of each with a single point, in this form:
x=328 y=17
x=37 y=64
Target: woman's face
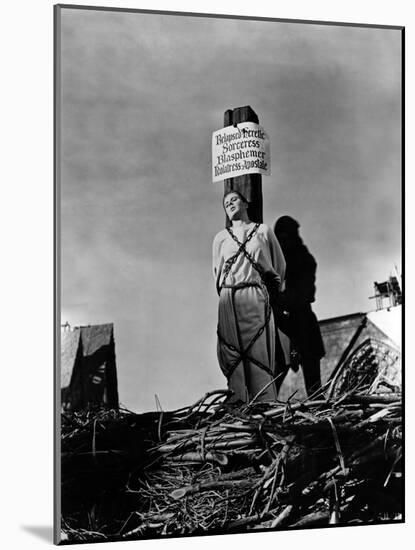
x=234 y=206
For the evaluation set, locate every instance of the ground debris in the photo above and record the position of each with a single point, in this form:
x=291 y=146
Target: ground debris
x=215 y=467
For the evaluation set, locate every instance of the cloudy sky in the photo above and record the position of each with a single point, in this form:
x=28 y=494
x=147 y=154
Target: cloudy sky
x=141 y=95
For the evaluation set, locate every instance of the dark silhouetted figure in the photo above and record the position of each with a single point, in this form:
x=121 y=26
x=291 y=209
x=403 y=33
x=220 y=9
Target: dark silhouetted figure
x=293 y=305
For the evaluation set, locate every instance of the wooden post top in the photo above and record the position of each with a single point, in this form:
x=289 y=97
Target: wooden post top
x=249 y=185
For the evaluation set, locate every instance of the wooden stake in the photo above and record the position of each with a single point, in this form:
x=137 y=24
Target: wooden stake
x=250 y=185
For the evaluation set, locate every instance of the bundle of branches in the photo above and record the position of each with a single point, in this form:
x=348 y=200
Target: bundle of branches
x=214 y=467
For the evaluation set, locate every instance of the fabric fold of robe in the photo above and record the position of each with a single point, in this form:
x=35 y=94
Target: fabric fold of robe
x=246 y=330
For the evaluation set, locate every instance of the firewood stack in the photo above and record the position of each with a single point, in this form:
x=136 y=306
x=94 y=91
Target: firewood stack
x=216 y=467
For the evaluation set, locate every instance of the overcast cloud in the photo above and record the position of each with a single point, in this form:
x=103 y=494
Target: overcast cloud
x=141 y=95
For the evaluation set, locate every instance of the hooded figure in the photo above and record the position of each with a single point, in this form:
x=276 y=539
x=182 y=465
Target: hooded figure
x=295 y=316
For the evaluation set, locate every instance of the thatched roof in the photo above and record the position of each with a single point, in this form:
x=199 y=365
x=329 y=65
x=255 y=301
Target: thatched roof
x=89 y=338
x=70 y=340
x=95 y=337
x=338 y=333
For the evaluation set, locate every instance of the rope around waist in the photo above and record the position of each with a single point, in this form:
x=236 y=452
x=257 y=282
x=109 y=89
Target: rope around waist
x=239 y=286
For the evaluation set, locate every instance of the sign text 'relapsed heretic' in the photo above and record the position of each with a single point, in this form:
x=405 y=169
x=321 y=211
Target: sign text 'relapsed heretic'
x=239 y=150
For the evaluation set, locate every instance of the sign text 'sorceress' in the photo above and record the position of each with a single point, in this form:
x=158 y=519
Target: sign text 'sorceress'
x=241 y=150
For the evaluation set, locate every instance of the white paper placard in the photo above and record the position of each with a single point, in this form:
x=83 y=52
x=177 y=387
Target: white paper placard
x=238 y=150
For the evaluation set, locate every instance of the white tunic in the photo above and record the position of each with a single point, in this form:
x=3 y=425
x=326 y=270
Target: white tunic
x=246 y=332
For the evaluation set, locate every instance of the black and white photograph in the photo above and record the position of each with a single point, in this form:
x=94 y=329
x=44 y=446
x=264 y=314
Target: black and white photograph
x=229 y=274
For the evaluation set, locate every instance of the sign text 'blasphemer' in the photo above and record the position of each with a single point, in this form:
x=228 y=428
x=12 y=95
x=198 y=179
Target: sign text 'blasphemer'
x=239 y=150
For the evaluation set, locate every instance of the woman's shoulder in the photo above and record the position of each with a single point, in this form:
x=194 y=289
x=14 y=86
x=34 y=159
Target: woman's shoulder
x=265 y=229
x=221 y=236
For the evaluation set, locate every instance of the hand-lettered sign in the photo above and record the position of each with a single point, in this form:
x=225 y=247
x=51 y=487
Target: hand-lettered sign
x=238 y=150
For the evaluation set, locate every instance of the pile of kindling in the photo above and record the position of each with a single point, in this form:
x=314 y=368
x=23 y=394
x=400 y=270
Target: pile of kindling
x=218 y=468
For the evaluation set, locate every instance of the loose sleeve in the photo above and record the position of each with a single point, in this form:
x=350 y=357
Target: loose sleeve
x=217 y=260
x=277 y=256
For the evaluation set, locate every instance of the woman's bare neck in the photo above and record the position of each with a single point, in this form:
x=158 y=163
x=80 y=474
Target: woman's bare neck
x=241 y=223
